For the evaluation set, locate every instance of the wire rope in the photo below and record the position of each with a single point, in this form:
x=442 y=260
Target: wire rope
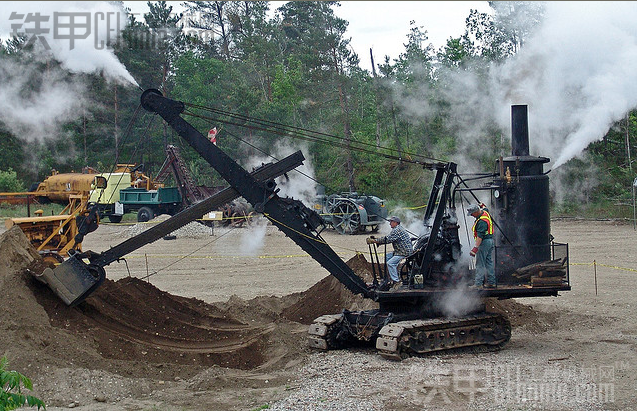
x=309 y=135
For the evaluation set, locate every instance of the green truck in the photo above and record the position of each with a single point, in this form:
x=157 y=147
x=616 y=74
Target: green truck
x=150 y=203
x=118 y=197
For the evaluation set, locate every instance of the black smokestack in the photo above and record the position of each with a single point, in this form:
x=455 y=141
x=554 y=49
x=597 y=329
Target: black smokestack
x=522 y=204
x=519 y=130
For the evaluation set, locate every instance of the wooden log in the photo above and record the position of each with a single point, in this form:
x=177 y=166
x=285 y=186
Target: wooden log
x=552 y=273
x=535 y=268
x=549 y=281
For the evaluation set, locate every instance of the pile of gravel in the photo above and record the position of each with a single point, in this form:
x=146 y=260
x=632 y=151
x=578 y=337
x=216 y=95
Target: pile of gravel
x=192 y=230
x=328 y=382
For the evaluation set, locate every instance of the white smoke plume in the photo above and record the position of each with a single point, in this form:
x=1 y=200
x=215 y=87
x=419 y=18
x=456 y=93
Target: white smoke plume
x=37 y=115
x=35 y=103
x=576 y=75
x=97 y=21
x=459 y=302
x=410 y=219
x=574 y=72
x=567 y=189
x=252 y=240
x=297 y=185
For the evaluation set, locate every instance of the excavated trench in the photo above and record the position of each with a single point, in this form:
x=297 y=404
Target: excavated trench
x=133 y=328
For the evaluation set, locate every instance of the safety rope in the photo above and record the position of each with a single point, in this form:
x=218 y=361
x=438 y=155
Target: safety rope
x=410 y=208
x=603 y=265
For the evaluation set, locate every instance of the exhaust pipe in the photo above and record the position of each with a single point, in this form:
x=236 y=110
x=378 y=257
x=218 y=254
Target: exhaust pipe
x=519 y=130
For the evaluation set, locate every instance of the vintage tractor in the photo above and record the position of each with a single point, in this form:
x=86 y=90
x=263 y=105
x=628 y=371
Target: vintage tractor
x=350 y=213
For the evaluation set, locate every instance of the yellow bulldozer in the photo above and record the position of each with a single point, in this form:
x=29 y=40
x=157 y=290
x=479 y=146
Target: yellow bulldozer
x=53 y=236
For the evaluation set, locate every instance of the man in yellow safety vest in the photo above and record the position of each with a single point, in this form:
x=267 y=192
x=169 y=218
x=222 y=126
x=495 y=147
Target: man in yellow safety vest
x=483 y=249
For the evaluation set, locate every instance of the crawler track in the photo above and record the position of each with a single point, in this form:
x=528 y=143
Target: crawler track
x=324 y=331
x=401 y=339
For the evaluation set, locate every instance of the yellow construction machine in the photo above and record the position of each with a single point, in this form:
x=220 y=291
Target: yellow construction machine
x=53 y=236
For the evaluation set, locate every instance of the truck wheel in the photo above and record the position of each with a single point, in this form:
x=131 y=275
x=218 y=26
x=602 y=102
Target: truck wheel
x=115 y=218
x=145 y=214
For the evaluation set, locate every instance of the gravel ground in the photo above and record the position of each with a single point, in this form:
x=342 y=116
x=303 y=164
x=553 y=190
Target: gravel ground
x=473 y=379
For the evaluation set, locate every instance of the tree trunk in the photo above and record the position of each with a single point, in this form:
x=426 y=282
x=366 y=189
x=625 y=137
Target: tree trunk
x=376 y=99
x=348 y=138
x=116 y=128
x=346 y=125
x=165 y=92
x=399 y=146
x=225 y=47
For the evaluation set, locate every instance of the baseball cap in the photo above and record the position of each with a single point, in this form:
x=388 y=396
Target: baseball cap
x=472 y=209
x=394 y=219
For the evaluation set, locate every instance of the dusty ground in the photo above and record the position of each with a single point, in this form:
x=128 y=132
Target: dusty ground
x=221 y=323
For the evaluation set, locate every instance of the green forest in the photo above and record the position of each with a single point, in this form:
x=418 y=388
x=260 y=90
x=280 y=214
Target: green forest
x=294 y=66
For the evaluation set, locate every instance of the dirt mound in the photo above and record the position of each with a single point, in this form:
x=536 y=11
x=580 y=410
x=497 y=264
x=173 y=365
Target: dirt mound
x=329 y=296
x=363 y=268
x=129 y=325
x=132 y=320
x=521 y=315
x=27 y=333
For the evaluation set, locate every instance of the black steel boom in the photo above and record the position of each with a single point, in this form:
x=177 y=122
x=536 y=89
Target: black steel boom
x=196 y=211
x=293 y=218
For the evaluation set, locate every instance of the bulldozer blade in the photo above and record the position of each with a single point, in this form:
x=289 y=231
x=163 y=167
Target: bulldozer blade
x=73 y=280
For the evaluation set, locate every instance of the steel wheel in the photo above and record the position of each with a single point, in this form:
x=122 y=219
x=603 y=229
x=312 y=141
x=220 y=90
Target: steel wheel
x=331 y=202
x=251 y=219
x=238 y=219
x=346 y=219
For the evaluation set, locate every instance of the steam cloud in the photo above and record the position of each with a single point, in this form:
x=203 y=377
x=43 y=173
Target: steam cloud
x=37 y=115
x=575 y=72
x=252 y=240
x=459 y=302
x=34 y=104
x=297 y=185
x=88 y=55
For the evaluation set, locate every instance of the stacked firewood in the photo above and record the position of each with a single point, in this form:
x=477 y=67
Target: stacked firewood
x=548 y=273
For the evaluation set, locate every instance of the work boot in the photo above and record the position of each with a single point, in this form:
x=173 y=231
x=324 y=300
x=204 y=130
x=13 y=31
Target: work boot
x=385 y=285
x=395 y=286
